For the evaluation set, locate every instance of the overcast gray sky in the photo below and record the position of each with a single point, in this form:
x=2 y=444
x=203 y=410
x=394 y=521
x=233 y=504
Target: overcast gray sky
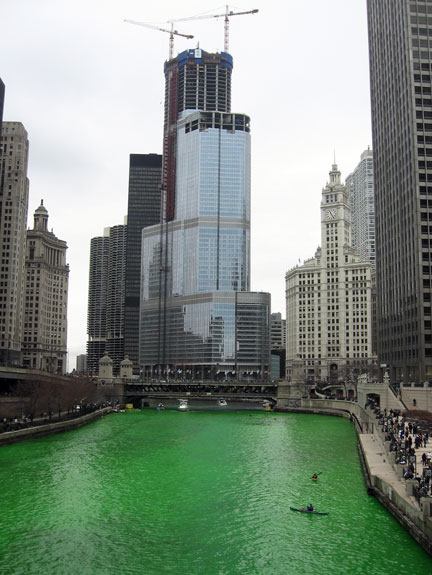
x=89 y=90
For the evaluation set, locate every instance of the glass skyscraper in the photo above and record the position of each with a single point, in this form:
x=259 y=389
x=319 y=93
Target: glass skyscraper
x=197 y=314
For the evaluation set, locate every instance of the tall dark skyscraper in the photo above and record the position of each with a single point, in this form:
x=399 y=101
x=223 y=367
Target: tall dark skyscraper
x=2 y=96
x=198 y=316
x=401 y=74
x=14 y=193
x=144 y=209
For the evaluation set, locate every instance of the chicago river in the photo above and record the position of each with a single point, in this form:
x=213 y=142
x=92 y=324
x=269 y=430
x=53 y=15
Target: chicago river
x=150 y=492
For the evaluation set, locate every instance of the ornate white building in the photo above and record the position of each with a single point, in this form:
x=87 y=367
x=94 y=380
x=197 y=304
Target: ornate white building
x=46 y=294
x=328 y=298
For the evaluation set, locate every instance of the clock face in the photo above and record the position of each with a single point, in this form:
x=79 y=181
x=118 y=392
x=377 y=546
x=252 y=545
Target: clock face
x=331 y=213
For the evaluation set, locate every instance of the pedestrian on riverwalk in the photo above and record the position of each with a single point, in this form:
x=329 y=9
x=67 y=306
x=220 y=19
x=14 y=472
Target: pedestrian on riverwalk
x=424 y=459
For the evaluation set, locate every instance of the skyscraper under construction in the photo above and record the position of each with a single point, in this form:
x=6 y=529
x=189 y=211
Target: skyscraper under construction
x=197 y=315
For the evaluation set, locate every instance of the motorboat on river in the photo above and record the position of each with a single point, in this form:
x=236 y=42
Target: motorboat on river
x=267 y=405
x=183 y=405
x=222 y=403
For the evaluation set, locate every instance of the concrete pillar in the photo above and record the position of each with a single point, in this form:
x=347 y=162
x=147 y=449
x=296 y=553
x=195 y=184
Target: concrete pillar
x=400 y=470
x=410 y=483
x=106 y=369
x=126 y=368
x=426 y=508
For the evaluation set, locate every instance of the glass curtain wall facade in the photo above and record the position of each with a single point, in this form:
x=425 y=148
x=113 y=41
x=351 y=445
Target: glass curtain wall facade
x=209 y=325
x=213 y=203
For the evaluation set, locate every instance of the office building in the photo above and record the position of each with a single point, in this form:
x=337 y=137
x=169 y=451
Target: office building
x=44 y=343
x=14 y=191
x=116 y=295
x=2 y=96
x=105 y=317
x=144 y=209
x=197 y=314
x=400 y=76
x=328 y=299
x=81 y=364
x=277 y=331
x=360 y=186
x=97 y=302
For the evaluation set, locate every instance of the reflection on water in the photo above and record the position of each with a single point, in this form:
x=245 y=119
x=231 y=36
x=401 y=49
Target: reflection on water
x=198 y=492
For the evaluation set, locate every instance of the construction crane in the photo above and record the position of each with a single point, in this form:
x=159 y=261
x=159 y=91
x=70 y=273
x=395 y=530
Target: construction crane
x=171 y=32
x=227 y=16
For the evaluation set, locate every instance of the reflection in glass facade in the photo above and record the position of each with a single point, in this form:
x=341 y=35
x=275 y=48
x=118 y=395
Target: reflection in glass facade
x=213 y=202
x=207 y=333
x=200 y=260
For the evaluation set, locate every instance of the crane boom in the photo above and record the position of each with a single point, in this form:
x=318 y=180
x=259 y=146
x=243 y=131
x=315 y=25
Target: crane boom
x=228 y=13
x=171 y=32
x=227 y=16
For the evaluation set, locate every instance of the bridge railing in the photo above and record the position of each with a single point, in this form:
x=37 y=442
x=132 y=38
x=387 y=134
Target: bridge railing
x=202 y=388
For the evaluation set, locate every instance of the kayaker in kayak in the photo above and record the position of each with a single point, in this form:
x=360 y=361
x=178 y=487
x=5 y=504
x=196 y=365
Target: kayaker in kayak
x=310 y=507
x=315 y=477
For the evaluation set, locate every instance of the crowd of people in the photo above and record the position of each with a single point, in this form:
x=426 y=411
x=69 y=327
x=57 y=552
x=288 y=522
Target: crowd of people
x=406 y=438
x=26 y=420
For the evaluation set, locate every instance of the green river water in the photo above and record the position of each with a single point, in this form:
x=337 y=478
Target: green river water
x=200 y=492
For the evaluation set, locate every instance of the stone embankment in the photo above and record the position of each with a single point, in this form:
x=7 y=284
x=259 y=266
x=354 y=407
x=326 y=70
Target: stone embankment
x=43 y=429
x=383 y=476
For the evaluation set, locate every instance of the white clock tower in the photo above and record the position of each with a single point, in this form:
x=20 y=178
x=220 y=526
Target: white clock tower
x=328 y=313
x=335 y=219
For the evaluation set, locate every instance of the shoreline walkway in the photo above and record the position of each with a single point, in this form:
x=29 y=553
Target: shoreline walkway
x=398 y=495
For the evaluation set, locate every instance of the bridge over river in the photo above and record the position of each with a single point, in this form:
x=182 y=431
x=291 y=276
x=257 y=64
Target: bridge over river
x=139 y=392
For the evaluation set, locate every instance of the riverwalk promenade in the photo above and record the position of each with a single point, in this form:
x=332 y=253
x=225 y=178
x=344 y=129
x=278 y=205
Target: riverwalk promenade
x=386 y=482
x=42 y=426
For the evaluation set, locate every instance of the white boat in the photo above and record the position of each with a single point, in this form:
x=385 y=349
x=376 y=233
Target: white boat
x=183 y=405
x=222 y=403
